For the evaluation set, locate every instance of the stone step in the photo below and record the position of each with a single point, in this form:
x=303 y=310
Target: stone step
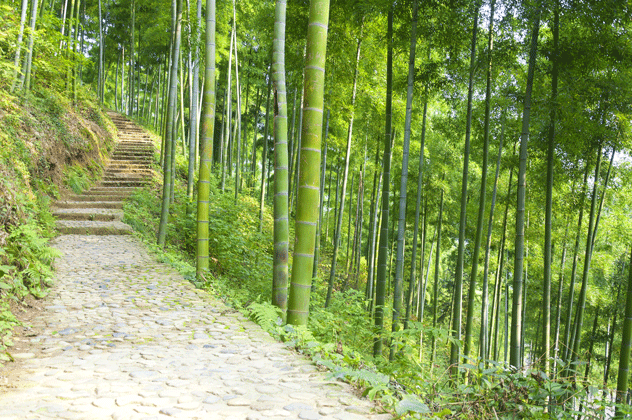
x=135 y=148
x=131 y=168
x=125 y=176
x=98 y=197
x=89 y=204
x=104 y=215
x=146 y=171
x=132 y=154
x=136 y=141
x=111 y=190
x=135 y=145
x=123 y=183
x=133 y=158
x=132 y=161
x=74 y=227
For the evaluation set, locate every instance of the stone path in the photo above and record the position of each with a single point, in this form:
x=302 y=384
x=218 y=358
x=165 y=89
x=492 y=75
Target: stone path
x=125 y=337
x=98 y=210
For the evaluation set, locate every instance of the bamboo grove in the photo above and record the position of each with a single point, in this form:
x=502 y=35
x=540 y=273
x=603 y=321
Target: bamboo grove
x=463 y=167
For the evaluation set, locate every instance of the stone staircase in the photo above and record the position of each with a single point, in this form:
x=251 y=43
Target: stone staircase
x=98 y=211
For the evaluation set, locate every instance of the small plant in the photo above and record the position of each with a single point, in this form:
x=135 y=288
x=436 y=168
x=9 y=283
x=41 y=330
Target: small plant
x=77 y=179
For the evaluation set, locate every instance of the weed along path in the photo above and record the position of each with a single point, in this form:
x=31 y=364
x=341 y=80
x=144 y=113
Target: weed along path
x=122 y=336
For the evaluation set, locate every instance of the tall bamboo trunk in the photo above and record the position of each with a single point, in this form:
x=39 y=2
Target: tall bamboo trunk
x=458 y=276
x=206 y=149
x=169 y=140
x=308 y=183
x=571 y=289
x=334 y=257
x=403 y=185
x=16 y=60
x=264 y=157
x=373 y=226
x=435 y=289
x=413 y=258
x=478 y=238
x=581 y=300
x=380 y=287
x=515 y=358
x=626 y=345
x=322 y=198
x=132 y=70
x=548 y=223
x=484 y=333
x=281 y=228
x=29 y=52
x=195 y=87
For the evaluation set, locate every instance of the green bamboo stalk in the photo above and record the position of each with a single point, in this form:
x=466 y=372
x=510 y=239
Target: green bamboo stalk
x=16 y=61
x=322 y=199
x=458 y=276
x=403 y=185
x=626 y=345
x=281 y=229
x=206 y=149
x=382 y=259
x=334 y=258
x=308 y=182
x=169 y=143
x=515 y=358
x=29 y=54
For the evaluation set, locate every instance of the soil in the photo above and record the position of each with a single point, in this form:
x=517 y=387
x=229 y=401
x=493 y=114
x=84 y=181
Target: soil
x=25 y=311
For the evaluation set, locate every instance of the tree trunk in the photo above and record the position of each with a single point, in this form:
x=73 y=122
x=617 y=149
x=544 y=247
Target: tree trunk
x=334 y=257
x=611 y=332
x=206 y=149
x=16 y=61
x=458 y=277
x=380 y=287
x=626 y=345
x=225 y=144
x=571 y=289
x=413 y=258
x=132 y=70
x=516 y=318
x=581 y=301
x=169 y=141
x=321 y=200
x=484 y=334
x=499 y=270
x=29 y=51
x=281 y=229
x=373 y=226
x=195 y=87
x=548 y=223
x=401 y=225
x=308 y=188
x=264 y=157
x=482 y=196
x=435 y=290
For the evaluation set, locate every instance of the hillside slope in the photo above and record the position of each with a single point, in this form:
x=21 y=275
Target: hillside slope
x=49 y=147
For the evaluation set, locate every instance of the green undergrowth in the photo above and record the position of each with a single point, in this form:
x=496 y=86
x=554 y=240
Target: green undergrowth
x=340 y=338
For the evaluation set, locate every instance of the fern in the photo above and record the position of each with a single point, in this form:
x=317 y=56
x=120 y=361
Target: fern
x=265 y=314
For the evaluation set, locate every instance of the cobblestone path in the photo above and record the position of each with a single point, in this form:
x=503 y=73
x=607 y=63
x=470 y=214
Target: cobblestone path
x=125 y=337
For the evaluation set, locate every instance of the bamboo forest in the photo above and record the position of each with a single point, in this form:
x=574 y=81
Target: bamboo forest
x=431 y=199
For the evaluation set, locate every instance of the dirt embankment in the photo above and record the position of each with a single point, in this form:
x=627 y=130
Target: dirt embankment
x=39 y=140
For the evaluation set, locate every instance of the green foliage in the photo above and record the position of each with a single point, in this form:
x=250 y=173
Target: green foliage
x=265 y=314
x=26 y=262
x=77 y=179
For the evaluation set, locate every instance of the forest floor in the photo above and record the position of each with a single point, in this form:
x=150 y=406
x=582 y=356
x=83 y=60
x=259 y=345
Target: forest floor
x=122 y=336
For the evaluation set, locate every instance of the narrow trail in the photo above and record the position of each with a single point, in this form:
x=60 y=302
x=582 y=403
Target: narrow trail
x=123 y=336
